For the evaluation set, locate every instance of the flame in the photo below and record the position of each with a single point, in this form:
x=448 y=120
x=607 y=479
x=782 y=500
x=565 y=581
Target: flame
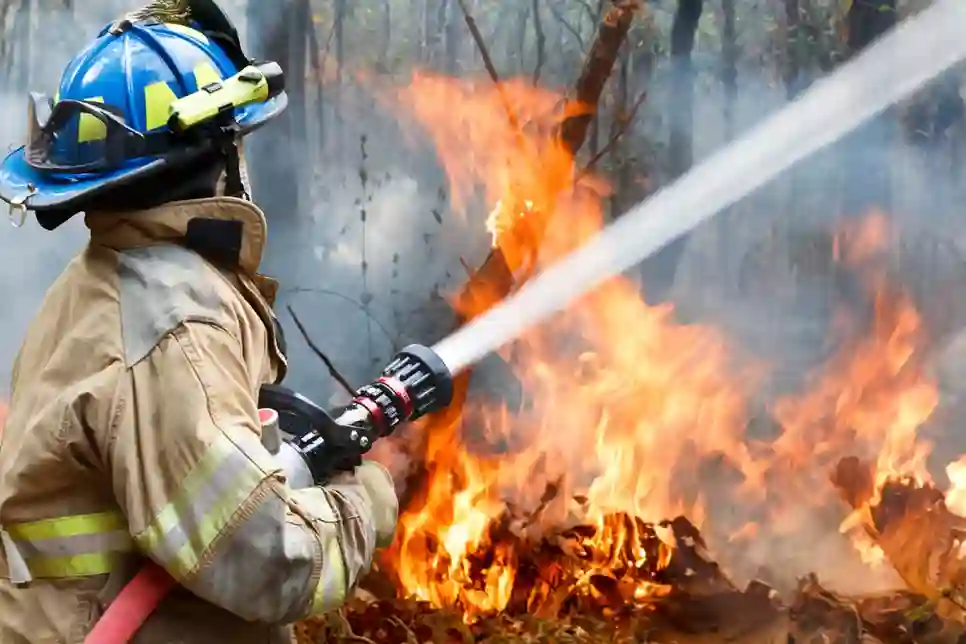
x=627 y=416
x=621 y=404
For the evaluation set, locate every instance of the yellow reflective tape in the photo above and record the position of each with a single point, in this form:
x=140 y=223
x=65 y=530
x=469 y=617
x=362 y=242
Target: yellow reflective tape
x=89 y=128
x=167 y=519
x=330 y=591
x=86 y=565
x=205 y=73
x=187 y=31
x=157 y=103
x=214 y=522
x=69 y=526
x=209 y=520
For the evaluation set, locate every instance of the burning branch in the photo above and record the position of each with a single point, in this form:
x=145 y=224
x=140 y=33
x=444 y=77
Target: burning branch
x=598 y=66
x=494 y=280
x=910 y=522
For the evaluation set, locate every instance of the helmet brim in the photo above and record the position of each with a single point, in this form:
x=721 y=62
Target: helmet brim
x=41 y=192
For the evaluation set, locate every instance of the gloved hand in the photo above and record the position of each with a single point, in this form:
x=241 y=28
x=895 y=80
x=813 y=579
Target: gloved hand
x=385 y=506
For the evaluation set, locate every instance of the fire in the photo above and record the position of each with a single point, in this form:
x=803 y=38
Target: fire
x=621 y=403
x=628 y=417
x=873 y=396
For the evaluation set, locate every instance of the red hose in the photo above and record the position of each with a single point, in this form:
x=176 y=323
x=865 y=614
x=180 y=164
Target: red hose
x=132 y=607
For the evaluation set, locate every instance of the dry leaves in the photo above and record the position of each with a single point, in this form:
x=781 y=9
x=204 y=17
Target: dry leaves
x=692 y=603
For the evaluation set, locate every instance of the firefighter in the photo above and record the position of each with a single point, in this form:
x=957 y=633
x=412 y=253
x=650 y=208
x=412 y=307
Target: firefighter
x=133 y=433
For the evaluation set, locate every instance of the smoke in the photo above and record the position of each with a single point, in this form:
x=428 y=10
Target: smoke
x=765 y=273
x=368 y=262
x=33 y=257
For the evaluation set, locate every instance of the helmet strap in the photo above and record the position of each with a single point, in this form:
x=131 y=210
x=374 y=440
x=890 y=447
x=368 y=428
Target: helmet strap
x=234 y=185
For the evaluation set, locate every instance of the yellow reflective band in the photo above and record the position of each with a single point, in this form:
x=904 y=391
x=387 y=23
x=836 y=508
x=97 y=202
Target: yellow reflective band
x=86 y=565
x=209 y=497
x=157 y=103
x=89 y=128
x=187 y=31
x=77 y=545
x=330 y=592
x=205 y=74
x=69 y=526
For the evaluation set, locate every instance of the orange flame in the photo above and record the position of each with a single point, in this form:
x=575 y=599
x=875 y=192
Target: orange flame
x=624 y=409
x=619 y=399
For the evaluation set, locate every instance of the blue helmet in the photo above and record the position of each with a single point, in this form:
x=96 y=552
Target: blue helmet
x=111 y=121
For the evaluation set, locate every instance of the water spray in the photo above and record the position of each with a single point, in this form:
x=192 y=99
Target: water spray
x=889 y=70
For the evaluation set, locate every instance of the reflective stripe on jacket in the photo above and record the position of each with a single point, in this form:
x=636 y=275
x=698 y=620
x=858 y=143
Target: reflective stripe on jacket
x=133 y=431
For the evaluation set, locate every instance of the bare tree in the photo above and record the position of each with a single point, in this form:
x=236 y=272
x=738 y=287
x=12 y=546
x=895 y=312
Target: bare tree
x=454 y=35
x=729 y=65
x=279 y=156
x=682 y=93
x=659 y=271
x=22 y=27
x=793 y=48
x=867 y=171
x=541 y=41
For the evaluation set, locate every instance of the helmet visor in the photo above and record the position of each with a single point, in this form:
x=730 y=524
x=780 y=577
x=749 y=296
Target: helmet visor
x=78 y=136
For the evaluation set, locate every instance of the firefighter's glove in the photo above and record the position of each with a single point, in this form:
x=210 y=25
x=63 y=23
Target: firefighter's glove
x=385 y=506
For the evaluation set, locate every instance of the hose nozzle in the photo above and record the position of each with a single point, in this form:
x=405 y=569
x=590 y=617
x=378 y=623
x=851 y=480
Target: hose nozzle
x=414 y=383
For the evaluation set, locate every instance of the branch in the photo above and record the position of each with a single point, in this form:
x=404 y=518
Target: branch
x=317 y=351
x=611 y=33
x=356 y=303
x=569 y=27
x=593 y=15
x=612 y=143
x=488 y=63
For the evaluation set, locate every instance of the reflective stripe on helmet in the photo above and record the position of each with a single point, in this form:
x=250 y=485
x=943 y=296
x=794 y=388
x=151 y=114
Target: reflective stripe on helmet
x=208 y=498
x=71 y=546
x=158 y=98
x=89 y=128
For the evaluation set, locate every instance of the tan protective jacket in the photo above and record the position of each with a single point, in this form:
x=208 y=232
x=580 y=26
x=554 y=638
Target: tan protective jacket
x=133 y=431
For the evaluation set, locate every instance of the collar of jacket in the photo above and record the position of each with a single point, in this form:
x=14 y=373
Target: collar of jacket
x=169 y=223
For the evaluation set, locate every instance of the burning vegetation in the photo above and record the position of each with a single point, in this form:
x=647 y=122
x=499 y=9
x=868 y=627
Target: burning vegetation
x=599 y=505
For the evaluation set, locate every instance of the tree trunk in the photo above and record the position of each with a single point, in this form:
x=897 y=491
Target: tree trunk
x=793 y=49
x=22 y=32
x=341 y=9
x=869 y=19
x=454 y=36
x=520 y=44
x=541 y=41
x=622 y=169
x=273 y=155
x=659 y=270
x=386 y=34
x=729 y=67
x=867 y=171
x=682 y=92
x=439 y=29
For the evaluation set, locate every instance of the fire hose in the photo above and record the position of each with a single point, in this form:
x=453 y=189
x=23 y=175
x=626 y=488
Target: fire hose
x=319 y=445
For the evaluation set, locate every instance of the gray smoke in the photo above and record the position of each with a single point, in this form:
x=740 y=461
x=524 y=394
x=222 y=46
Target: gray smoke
x=759 y=272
